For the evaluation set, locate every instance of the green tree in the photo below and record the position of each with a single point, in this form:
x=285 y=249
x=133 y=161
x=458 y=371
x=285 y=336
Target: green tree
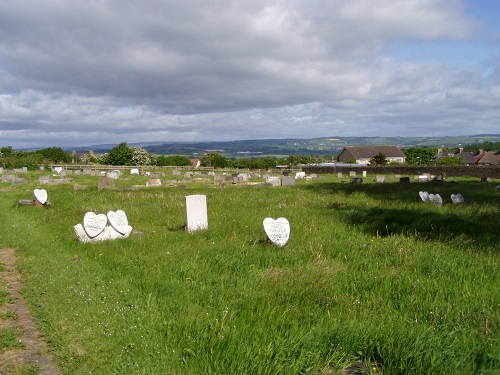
x=120 y=155
x=173 y=160
x=213 y=159
x=55 y=155
x=420 y=155
x=378 y=159
x=450 y=160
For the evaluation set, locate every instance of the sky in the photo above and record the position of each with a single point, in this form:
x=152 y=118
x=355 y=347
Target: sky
x=87 y=72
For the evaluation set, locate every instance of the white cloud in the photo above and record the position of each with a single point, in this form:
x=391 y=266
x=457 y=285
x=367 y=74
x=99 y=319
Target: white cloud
x=83 y=72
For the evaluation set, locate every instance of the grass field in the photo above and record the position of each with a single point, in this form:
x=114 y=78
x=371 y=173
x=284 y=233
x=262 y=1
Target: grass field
x=371 y=276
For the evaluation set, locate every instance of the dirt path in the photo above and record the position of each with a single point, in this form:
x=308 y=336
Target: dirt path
x=33 y=356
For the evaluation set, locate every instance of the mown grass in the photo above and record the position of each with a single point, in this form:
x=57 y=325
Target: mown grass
x=370 y=274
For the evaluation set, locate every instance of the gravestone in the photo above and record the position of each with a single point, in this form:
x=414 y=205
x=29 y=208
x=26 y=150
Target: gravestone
x=154 y=182
x=300 y=175
x=436 y=199
x=287 y=181
x=424 y=196
x=352 y=174
x=457 y=198
x=219 y=179
x=277 y=231
x=105 y=183
x=404 y=179
x=423 y=178
x=40 y=196
x=379 y=179
x=273 y=180
x=113 y=174
x=134 y=171
x=339 y=175
x=1 y=170
x=58 y=169
x=364 y=173
x=196 y=213
x=94 y=227
x=484 y=179
x=356 y=180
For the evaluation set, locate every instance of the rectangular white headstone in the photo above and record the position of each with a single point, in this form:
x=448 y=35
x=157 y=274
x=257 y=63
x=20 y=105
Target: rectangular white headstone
x=196 y=212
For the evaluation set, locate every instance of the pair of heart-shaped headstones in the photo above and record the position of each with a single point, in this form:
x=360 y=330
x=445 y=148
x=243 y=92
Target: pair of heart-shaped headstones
x=94 y=224
x=278 y=231
x=40 y=195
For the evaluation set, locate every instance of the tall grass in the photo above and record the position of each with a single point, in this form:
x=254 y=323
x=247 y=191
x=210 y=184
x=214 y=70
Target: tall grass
x=369 y=274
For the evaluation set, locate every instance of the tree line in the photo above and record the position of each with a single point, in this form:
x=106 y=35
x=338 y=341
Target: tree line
x=122 y=154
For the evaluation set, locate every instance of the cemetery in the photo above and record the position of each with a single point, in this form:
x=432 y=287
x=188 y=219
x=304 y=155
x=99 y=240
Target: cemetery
x=257 y=272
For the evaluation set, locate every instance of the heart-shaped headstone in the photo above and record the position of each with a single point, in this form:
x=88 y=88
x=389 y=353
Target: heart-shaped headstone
x=457 y=198
x=94 y=224
x=40 y=195
x=424 y=196
x=436 y=199
x=278 y=231
x=118 y=221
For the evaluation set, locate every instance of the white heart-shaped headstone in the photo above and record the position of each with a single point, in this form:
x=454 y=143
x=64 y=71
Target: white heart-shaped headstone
x=278 y=231
x=118 y=221
x=457 y=198
x=424 y=196
x=436 y=199
x=94 y=224
x=40 y=195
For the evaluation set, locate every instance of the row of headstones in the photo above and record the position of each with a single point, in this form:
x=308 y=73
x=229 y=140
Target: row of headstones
x=437 y=200
x=94 y=227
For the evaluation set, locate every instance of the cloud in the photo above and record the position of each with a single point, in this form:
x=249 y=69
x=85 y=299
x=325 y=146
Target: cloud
x=82 y=72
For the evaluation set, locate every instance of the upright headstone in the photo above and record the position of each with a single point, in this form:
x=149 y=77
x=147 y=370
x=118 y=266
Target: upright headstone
x=436 y=199
x=134 y=171
x=196 y=212
x=457 y=198
x=339 y=175
x=424 y=196
x=352 y=174
x=153 y=182
x=105 y=183
x=274 y=180
x=40 y=196
x=364 y=173
x=379 y=179
x=287 y=181
x=300 y=175
x=277 y=231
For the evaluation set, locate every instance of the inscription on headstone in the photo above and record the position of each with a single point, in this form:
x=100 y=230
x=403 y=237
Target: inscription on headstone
x=277 y=231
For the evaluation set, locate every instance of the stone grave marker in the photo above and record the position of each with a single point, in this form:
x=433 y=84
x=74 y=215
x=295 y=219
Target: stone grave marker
x=196 y=213
x=273 y=180
x=424 y=196
x=113 y=174
x=287 y=181
x=340 y=175
x=352 y=174
x=277 y=231
x=364 y=173
x=134 y=171
x=105 y=183
x=40 y=197
x=94 y=224
x=379 y=179
x=118 y=220
x=300 y=175
x=436 y=199
x=58 y=169
x=404 y=179
x=457 y=198
x=153 y=182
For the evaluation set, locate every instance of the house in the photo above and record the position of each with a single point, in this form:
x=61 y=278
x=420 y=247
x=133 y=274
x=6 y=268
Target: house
x=470 y=158
x=363 y=154
x=490 y=158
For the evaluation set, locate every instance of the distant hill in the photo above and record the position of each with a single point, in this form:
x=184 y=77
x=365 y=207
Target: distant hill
x=284 y=147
